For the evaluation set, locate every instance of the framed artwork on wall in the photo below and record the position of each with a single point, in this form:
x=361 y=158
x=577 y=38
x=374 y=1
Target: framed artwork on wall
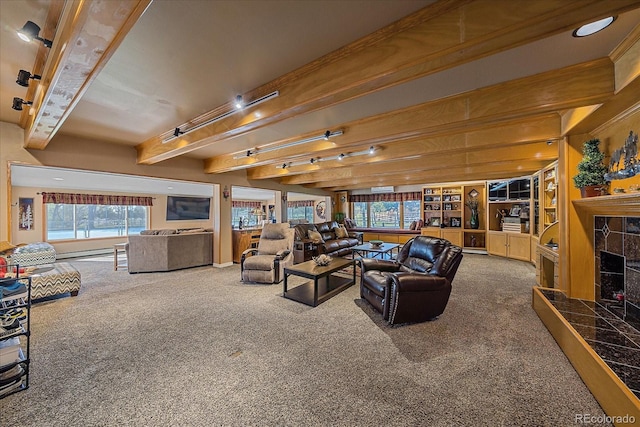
x=321 y=210
x=25 y=214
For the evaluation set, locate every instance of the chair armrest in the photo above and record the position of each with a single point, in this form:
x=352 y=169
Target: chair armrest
x=356 y=235
x=251 y=251
x=416 y=282
x=282 y=254
x=378 y=264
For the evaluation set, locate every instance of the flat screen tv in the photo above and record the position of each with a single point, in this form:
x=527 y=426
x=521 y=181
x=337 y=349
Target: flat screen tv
x=187 y=208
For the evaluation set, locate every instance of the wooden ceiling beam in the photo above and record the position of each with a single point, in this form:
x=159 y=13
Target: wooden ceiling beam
x=543 y=93
x=531 y=129
x=78 y=53
x=482 y=172
x=540 y=151
x=443 y=35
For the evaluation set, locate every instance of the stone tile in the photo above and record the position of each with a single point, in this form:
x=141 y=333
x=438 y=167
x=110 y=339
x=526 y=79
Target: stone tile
x=615 y=223
x=607 y=336
x=600 y=241
x=630 y=375
x=614 y=243
x=632 y=249
x=617 y=354
x=632 y=286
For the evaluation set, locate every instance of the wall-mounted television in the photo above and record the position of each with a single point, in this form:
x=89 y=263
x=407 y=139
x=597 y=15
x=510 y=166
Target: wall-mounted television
x=187 y=208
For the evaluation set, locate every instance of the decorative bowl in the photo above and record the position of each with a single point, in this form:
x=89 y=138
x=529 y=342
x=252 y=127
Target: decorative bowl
x=376 y=243
x=322 y=260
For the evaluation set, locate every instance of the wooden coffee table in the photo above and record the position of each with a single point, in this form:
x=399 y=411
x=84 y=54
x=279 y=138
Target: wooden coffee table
x=324 y=284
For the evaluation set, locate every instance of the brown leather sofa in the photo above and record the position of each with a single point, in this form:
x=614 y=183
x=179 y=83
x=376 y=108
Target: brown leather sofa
x=416 y=286
x=330 y=245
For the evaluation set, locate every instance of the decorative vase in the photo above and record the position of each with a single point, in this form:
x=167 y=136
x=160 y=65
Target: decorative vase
x=592 y=190
x=473 y=222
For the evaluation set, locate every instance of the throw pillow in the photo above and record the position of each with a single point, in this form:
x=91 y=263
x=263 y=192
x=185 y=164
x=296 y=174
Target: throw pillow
x=315 y=236
x=341 y=232
x=412 y=226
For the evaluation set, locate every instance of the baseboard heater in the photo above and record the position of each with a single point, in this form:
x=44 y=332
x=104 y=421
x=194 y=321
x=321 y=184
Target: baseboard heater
x=78 y=254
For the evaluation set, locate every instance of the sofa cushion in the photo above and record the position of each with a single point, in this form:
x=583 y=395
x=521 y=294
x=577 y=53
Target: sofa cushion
x=259 y=262
x=341 y=232
x=167 y=232
x=316 y=236
x=148 y=232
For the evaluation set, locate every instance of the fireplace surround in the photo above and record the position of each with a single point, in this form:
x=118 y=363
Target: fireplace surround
x=617 y=264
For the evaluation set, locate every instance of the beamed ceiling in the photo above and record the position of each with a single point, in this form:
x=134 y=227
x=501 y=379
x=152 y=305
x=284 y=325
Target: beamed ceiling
x=442 y=90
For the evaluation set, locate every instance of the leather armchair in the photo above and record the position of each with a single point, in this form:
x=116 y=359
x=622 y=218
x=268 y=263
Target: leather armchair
x=415 y=287
x=266 y=263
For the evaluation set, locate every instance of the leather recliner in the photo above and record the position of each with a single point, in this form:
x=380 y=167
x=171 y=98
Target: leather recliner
x=415 y=287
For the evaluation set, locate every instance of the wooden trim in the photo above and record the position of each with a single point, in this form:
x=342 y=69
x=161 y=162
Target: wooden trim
x=612 y=394
x=627 y=43
x=74 y=63
x=627 y=204
x=449 y=34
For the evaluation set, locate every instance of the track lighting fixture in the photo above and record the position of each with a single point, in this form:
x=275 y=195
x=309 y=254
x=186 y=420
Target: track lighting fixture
x=312 y=161
x=30 y=31
x=177 y=132
x=249 y=153
x=239 y=103
x=24 y=76
x=340 y=156
x=292 y=144
x=19 y=102
x=228 y=113
x=372 y=150
x=327 y=134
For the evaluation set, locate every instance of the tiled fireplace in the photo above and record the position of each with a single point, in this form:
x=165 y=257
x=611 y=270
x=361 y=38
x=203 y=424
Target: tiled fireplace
x=617 y=264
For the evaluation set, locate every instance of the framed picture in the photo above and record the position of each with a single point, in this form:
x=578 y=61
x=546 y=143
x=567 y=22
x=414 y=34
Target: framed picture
x=456 y=198
x=446 y=199
x=455 y=221
x=447 y=207
x=515 y=211
x=435 y=222
x=25 y=212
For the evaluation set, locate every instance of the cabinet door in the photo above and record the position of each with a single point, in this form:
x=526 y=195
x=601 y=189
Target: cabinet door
x=497 y=243
x=430 y=231
x=519 y=246
x=454 y=236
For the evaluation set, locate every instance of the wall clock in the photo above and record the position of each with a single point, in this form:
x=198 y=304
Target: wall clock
x=321 y=209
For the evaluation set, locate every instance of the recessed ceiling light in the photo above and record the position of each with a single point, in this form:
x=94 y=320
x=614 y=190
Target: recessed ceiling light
x=58 y=179
x=169 y=188
x=594 y=27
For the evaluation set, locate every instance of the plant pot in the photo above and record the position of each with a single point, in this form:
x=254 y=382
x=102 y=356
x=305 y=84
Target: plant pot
x=592 y=190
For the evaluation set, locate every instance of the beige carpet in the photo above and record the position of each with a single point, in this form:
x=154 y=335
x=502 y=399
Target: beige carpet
x=198 y=348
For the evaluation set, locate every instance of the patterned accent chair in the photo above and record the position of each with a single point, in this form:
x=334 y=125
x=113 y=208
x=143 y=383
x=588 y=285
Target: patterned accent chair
x=416 y=286
x=266 y=263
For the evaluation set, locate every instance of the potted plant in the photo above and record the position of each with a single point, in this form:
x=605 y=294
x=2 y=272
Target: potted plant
x=591 y=170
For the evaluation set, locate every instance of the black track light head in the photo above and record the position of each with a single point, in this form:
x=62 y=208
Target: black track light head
x=24 y=76
x=30 y=31
x=19 y=102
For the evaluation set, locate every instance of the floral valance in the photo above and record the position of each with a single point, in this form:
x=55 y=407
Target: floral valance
x=246 y=204
x=300 y=204
x=386 y=197
x=96 y=199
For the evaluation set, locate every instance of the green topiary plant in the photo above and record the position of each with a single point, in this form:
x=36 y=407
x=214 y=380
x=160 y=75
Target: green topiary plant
x=591 y=168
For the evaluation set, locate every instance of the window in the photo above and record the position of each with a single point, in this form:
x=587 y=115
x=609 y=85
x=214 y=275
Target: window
x=240 y=212
x=361 y=213
x=78 y=221
x=411 y=212
x=385 y=215
x=300 y=212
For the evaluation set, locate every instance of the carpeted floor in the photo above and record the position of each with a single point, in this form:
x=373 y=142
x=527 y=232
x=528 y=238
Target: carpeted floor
x=199 y=348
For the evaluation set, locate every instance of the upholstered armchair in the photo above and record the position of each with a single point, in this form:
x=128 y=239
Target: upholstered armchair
x=266 y=263
x=414 y=287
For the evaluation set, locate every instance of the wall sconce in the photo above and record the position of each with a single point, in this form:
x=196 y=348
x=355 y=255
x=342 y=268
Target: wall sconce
x=19 y=102
x=24 y=76
x=225 y=192
x=30 y=32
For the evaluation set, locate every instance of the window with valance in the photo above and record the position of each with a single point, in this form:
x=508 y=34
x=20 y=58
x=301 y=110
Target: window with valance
x=386 y=210
x=96 y=199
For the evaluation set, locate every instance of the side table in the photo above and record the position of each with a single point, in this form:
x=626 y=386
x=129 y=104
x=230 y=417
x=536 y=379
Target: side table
x=119 y=249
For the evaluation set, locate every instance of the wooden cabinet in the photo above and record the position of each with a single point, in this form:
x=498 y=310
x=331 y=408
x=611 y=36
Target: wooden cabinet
x=243 y=240
x=444 y=206
x=390 y=237
x=454 y=236
x=510 y=245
